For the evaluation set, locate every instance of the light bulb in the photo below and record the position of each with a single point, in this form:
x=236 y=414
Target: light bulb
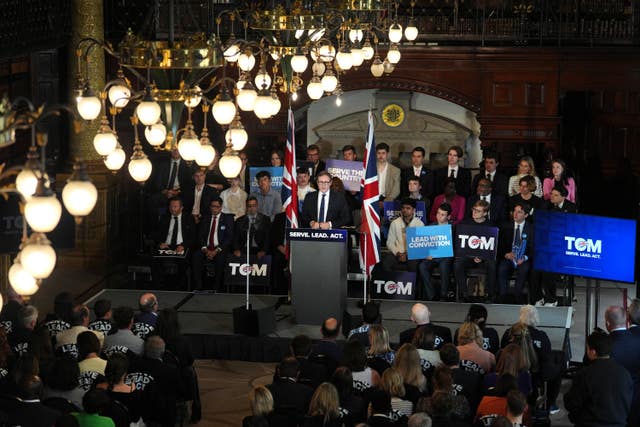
x=38 y=257
x=21 y=281
x=314 y=88
x=294 y=96
x=205 y=155
x=377 y=69
x=189 y=146
x=246 y=61
x=263 y=107
x=395 y=33
x=338 y=101
x=105 y=142
x=247 y=98
x=329 y=82
x=275 y=104
x=223 y=111
x=119 y=95
x=411 y=31
x=232 y=53
x=367 y=50
x=393 y=55
x=316 y=34
x=194 y=96
x=357 y=57
x=140 y=169
x=237 y=137
x=89 y=107
x=230 y=164
x=327 y=52
x=318 y=68
x=262 y=80
x=344 y=60
x=155 y=134
x=115 y=159
x=26 y=183
x=43 y=212
x=355 y=35
x=79 y=197
x=148 y=112
x=299 y=63
x=388 y=66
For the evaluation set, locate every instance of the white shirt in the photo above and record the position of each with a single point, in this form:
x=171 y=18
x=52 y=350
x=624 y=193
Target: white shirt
x=197 y=195
x=515 y=229
x=417 y=170
x=382 y=178
x=326 y=205
x=176 y=183
x=179 y=238
x=490 y=175
x=455 y=171
x=487 y=198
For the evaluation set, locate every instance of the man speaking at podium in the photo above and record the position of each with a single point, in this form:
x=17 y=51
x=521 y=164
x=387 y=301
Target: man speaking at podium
x=325 y=208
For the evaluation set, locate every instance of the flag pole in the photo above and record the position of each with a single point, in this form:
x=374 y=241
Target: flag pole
x=365 y=271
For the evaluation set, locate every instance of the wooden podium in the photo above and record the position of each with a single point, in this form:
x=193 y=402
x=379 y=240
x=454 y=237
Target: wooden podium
x=318 y=274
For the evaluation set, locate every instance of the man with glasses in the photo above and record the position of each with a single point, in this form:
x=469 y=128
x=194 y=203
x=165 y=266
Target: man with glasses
x=484 y=191
x=325 y=208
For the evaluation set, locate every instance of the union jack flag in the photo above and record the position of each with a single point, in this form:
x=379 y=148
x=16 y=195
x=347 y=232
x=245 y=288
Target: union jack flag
x=289 y=183
x=370 y=228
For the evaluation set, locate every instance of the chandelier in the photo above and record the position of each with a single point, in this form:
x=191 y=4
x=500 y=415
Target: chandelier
x=278 y=52
x=38 y=202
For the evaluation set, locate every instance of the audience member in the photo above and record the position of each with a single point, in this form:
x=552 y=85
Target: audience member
x=102 y=311
x=511 y=361
x=197 y=196
x=417 y=170
x=419 y=419
x=30 y=411
x=215 y=236
x=526 y=195
x=288 y=394
x=441 y=409
x=324 y=408
x=472 y=356
x=388 y=174
x=634 y=317
x=380 y=354
x=413 y=191
x=11 y=309
x=261 y=402
x=392 y=382
x=479 y=213
x=244 y=175
x=234 y=199
x=258 y=226
x=311 y=373
x=6 y=355
x=94 y=402
x=115 y=386
x=443 y=383
x=277 y=158
x=526 y=167
x=478 y=314
x=407 y=363
x=353 y=202
x=66 y=340
x=497 y=202
x=89 y=354
x=380 y=410
x=304 y=186
x=172 y=176
x=498 y=181
x=559 y=203
x=313 y=156
x=269 y=200
x=168 y=328
x=494 y=405
x=397 y=239
x=559 y=179
x=20 y=337
x=370 y=316
x=516 y=405
x=62 y=381
x=123 y=340
x=144 y=322
x=354 y=357
x=515 y=250
x=328 y=347
x=425 y=340
x=420 y=315
x=443 y=217
x=465 y=383
x=352 y=407
x=60 y=319
x=349 y=153
x=601 y=392
x=461 y=176
x=325 y=208
x=452 y=198
x=41 y=347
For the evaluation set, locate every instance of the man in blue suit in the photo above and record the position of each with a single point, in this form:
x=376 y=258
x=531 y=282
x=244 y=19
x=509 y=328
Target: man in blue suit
x=215 y=236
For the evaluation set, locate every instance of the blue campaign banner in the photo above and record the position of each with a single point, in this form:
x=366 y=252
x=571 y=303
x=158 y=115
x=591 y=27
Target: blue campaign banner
x=276 y=177
x=433 y=240
x=331 y=235
x=349 y=172
x=393 y=285
x=585 y=245
x=392 y=211
x=477 y=241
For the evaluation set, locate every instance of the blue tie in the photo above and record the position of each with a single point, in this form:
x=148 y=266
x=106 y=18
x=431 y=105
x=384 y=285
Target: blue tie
x=321 y=216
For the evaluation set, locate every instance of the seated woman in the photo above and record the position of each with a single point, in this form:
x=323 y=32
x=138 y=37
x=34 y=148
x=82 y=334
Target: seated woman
x=88 y=353
x=559 y=178
x=393 y=384
x=443 y=386
x=113 y=382
x=354 y=357
x=324 y=408
x=526 y=195
x=449 y=196
x=510 y=361
x=470 y=348
x=425 y=341
x=526 y=167
x=353 y=408
x=408 y=365
x=261 y=402
x=380 y=354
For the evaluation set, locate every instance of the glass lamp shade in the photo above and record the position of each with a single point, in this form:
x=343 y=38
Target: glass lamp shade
x=26 y=183
x=240 y=83
x=246 y=61
x=355 y=35
x=89 y=107
x=105 y=142
x=79 y=197
x=299 y=63
x=393 y=55
x=275 y=104
x=377 y=69
x=155 y=134
x=232 y=53
x=345 y=62
x=43 y=213
x=411 y=31
x=263 y=107
x=318 y=68
x=388 y=66
x=21 y=281
x=119 y=95
x=327 y=52
x=206 y=155
x=223 y=111
x=314 y=88
x=237 y=137
x=247 y=98
x=230 y=164
x=188 y=147
x=329 y=82
x=148 y=112
x=262 y=80
x=357 y=57
x=139 y=169
x=38 y=257
x=194 y=98
x=395 y=33
x=115 y=159
x=367 y=50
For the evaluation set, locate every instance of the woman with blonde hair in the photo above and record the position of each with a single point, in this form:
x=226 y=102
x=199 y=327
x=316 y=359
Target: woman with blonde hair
x=525 y=167
x=470 y=348
x=261 y=402
x=324 y=408
x=408 y=365
x=393 y=383
x=380 y=354
x=511 y=361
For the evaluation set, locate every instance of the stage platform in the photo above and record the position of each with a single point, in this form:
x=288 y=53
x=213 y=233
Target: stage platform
x=207 y=320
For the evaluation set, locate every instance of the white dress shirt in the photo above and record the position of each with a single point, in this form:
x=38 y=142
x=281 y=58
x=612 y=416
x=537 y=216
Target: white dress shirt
x=179 y=238
x=197 y=196
x=326 y=205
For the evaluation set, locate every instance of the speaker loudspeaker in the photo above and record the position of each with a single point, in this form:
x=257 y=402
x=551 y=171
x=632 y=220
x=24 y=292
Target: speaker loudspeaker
x=253 y=322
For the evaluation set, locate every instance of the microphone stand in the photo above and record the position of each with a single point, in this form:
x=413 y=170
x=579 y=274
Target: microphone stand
x=247 y=305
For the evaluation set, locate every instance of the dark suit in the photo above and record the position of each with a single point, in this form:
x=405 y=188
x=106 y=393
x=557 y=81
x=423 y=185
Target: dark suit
x=505 y=266
x=497 y=207
x=163 y=171
x=337 y=212
x=499 y=183
x=290 y=397
x=567 y=207
x=160 y=265
x=224 y=227
x=442 y=334
x=315 y=169
x=33 y=414
x=279 y=283
x=463 y=181
x=260 y=234
x=188 y=198
x=426 y=182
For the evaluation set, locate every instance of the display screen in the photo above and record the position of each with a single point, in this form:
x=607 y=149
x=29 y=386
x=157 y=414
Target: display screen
x=585 y=245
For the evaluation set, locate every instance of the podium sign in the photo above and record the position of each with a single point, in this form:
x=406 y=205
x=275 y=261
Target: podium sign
x=258 y=270
x=318 y=273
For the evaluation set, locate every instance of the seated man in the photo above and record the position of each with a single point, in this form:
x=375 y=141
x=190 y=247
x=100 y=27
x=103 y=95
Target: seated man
x=148 y=306
x=479 y=213
x=515 y=250
x=443 y=217
x=21 y=334
x=397 y=239
x=123 y=340
x=259 y=226
x=215 y=236
x=421 y=316
x=66 y=340
x=176 y=233
x=559 y=202
x=197 y=196
x=497 y=203
x=370 y=316
x=289 y=395
x=328 y=347
x=102 y=310
x=269 y=200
